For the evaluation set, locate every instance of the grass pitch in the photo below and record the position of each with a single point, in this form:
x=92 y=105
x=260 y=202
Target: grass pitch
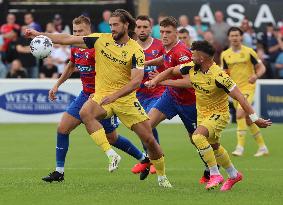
x=27 y=153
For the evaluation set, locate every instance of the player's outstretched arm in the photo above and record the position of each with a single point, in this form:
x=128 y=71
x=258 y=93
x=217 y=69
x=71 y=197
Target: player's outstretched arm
x=136 y=79
x=155 y=62
x=68 y=70
x=58 y=38
x=237 y=95
x=168 y=73
x=184 y=82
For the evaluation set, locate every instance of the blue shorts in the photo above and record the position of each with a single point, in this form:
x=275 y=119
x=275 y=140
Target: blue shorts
x=74 y=108
x=148 y=103
x=188 y=113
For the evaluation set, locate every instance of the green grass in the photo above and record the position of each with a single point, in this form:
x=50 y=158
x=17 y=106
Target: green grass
x=27 y=152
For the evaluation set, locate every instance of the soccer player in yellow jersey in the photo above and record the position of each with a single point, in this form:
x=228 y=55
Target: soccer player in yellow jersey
x=244 y=67
x=212 y=87
x=119 y=72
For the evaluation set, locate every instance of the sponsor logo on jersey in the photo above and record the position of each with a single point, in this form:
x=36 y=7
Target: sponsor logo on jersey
x=112 y=58
x=84 y=68
x=84 y=55
x=140 y=62
x=196 y=86
x=227 y=81
x=184 y=58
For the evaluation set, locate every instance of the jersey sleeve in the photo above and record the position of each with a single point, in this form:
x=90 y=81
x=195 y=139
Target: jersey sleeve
x=223 y=80
x=72 y=57
x=185 y=68
x=138 y=59
x=254 y=57
x=91 y=39
x=224 y=64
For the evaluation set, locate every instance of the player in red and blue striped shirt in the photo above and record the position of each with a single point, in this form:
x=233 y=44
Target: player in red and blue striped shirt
x=152 y=48
x=176 y=100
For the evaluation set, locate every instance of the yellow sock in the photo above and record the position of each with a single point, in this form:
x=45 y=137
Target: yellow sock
x=159 y=165
x=99 y=137
x=257 y=135
x=241 y=131
x=222 y=157
x=205 y=149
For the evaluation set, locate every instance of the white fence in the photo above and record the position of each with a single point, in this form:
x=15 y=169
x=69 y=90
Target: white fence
x=26 y=100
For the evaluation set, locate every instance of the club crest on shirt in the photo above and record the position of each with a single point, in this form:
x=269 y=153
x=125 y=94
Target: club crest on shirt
x=154 y=52
x=208 y=82
x=124 y=54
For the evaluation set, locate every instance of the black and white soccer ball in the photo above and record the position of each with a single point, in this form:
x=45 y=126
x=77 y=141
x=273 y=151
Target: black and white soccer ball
x=41 y=46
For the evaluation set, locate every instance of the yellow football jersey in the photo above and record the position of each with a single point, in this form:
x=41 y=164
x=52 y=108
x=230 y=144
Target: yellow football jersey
x=113 y=62
x=211 y=88
x=240 y=66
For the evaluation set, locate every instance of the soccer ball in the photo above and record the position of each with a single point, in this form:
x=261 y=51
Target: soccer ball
x=41 y=46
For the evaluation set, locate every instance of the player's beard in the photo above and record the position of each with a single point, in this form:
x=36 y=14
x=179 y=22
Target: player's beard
x=119 y=35
x=143 y=38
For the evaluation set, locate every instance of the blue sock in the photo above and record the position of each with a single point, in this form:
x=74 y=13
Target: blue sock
x=155 y=134
x=61 y=149
x=126 y=145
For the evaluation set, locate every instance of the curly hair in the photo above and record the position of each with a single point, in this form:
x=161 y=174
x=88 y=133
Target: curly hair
x=203 y=46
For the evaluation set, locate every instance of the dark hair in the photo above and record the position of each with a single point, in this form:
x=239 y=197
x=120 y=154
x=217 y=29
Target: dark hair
x=169 y=21
x=81 y=19
x=143 y=18
x=126 y=17
x=183 y=30
x=234 y=28
x=29 y=13
x=203 y=46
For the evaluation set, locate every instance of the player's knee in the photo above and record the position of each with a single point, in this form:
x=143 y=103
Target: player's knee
x=84 y=113
x=63 y=129
x=112 y=138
